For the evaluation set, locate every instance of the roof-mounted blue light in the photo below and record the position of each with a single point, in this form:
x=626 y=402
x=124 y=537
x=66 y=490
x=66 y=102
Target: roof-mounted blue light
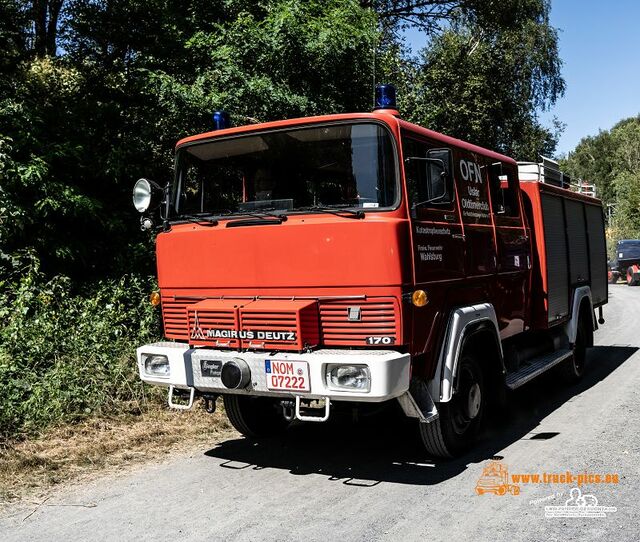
x=385 y=97
x=221 y=120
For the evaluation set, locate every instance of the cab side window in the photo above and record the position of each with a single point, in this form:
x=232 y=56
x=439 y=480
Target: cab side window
x=503 y=185
x=428 y=172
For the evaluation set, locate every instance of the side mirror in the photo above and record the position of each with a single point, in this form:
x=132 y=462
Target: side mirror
x=436 y=179
x=147 y=195
x=438 y=175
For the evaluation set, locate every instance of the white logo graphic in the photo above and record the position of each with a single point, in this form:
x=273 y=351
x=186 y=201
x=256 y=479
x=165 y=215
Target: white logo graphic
x=579 y=506
x=197 y=330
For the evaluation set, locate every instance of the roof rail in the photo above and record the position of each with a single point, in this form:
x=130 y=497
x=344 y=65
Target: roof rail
x=548 y=171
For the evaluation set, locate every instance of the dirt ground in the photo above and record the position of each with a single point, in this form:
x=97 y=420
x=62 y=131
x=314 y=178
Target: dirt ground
x=80 y=451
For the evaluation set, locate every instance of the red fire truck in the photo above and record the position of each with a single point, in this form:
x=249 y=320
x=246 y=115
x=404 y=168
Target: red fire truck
x=332 y=262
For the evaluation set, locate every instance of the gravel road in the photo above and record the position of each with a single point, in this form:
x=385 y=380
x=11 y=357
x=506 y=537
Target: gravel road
x=371 y=481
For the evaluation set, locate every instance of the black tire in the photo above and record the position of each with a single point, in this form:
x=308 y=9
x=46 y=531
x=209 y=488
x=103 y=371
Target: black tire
x=572 y=370
x=460 y=420
x=633 y=279
x=255 y=417
x=612 y=277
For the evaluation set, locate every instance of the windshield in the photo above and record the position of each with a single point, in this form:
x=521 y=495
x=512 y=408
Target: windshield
x=337 y=166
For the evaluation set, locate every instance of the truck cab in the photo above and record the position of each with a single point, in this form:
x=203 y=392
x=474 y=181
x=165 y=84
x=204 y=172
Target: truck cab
x=332 y=262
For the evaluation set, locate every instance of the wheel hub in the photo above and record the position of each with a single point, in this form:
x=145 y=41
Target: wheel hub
x=474 y=400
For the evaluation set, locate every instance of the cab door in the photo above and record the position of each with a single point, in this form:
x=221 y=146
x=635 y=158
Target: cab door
x=438 y=241
x=513 y=249
x=438 y=238
x=481 y=257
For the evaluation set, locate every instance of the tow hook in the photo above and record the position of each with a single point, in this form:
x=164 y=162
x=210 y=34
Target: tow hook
x=288 y=410
x=209 y=401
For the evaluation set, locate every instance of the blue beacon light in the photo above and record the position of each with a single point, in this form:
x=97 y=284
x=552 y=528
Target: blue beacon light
x=385 y=97
x=221 y=120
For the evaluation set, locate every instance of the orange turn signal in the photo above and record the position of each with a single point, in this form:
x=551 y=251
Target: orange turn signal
x=154 y=299
x=419 y=298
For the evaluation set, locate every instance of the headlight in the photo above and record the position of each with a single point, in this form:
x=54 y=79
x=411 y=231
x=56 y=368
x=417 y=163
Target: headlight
x=156 y=365
x=142 y=195
x=349 y=377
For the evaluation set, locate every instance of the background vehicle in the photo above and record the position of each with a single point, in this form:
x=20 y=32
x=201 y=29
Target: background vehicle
x=333 y=262
x=626 y=263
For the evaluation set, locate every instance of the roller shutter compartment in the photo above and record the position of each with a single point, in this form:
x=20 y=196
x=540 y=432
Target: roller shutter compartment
x=597 y=253
x=578 y=246
x=556 y=256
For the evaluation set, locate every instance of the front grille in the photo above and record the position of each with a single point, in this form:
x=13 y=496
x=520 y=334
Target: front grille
x=213 y=322
x=174 y=317
x=377 y=319
x=326 y=325
x=280 y=324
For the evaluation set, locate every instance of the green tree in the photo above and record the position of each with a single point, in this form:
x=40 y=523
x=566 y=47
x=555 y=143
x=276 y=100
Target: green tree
x=611 y=160
x=594 y=160
x=128 y=78
x=626 y=181
x=486 y=76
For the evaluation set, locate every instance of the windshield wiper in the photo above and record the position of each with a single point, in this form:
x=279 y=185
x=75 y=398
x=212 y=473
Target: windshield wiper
x=334 y=210
x=263 y=213
x=204 y=219
x=257 y=217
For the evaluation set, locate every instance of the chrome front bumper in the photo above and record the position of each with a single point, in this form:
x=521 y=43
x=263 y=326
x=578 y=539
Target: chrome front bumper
x=390 y=371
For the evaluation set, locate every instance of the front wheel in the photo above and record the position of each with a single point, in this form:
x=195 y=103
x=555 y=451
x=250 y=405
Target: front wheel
x=460 y=420
x=255 y=417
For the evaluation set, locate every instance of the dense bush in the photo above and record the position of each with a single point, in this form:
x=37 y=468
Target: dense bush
x=65 y=354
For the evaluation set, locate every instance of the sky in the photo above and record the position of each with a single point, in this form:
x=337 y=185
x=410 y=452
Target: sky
x=600 y=48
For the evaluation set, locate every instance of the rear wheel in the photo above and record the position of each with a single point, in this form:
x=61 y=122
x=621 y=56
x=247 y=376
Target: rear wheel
x=460 y=420
x=572 y=370
x=255 y=417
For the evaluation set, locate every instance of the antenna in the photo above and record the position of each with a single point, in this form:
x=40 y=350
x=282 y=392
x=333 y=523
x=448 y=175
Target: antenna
x=374 y=50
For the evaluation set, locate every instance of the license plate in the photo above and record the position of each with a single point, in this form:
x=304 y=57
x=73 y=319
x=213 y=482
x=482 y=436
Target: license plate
x=287 y=375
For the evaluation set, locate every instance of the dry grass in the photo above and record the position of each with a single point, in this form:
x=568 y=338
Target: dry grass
x=79 y=451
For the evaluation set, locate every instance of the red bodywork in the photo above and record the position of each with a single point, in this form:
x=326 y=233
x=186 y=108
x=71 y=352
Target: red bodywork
x=306 y=274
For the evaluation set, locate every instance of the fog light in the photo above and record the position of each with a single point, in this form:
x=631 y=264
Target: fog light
x=350 y=377
x=156 y=365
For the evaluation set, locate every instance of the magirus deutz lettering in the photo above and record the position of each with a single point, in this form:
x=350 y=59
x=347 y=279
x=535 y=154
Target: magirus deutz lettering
x=244 y=334
x=349 y=262
x=198 y=332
